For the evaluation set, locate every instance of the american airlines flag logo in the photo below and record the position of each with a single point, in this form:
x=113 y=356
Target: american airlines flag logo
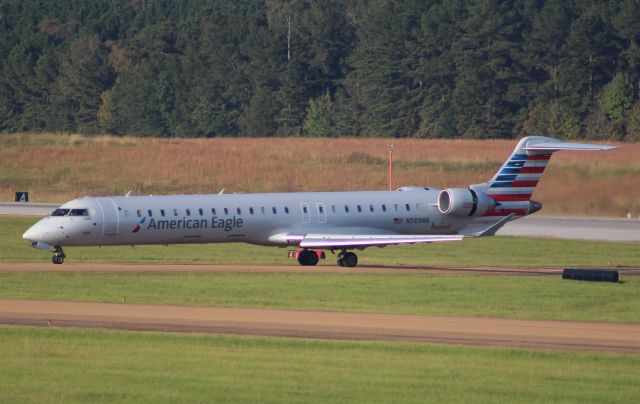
x=397 y=220
x=138 y=227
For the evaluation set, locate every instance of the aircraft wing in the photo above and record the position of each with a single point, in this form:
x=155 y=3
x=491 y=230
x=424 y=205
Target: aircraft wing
x=331 y=241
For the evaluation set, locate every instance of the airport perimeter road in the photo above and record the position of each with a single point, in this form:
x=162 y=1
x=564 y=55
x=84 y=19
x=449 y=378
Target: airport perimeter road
x=533 y=226
x=584 y=228
x=572 y=335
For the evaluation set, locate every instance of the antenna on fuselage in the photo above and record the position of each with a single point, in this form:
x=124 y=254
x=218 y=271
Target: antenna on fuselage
x=128 y=194
x=221 y=191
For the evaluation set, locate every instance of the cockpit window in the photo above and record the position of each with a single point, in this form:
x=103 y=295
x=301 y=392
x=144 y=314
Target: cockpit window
x=60 y=212
x=79 y=212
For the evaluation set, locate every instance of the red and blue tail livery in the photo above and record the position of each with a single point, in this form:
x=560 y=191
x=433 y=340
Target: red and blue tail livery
x=514 y=184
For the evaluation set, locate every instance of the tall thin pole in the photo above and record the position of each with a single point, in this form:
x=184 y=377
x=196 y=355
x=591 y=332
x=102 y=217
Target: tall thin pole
x=390 y=148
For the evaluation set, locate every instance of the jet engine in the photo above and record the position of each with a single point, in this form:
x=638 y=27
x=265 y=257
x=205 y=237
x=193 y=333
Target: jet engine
x=464 y=202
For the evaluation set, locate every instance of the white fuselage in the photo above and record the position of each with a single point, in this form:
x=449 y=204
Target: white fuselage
x=264 y=219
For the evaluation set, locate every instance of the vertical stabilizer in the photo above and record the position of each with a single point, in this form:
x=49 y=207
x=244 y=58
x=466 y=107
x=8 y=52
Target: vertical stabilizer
x=519 y=175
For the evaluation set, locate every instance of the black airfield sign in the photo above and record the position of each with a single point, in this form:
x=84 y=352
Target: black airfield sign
x=22 y=197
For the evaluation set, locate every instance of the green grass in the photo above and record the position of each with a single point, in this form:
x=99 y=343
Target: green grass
x=489 y=251
x=464 y=295
x=72 y=365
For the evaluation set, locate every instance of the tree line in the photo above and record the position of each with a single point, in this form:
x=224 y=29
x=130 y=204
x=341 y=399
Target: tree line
x=412 y=68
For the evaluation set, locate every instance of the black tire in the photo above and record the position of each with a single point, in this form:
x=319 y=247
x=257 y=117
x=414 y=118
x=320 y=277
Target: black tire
x=57 y=259
x=307 y=257
x=340 y=259
x=313 y=258
x=350 y=259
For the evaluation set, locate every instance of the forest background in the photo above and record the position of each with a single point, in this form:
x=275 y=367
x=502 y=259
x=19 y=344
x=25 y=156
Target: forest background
x=414 y=68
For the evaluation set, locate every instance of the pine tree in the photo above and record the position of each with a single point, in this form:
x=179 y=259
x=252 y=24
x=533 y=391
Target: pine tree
x=84 y=75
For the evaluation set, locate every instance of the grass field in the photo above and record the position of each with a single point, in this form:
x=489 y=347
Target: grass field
x=529 y=297
x=71 y=365
x=56 y=168
x=488 y=251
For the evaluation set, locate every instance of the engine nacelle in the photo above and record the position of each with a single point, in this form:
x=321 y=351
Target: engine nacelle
x=464 y=202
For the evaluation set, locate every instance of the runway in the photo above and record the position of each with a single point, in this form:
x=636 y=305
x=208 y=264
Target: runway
x=564 y=335
x=26 y=209
x=577 y=228
x=362 y=269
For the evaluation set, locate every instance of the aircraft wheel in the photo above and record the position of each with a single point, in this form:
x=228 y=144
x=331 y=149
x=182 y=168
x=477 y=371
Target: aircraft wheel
x=350 y=259
x=308 y=257
x=57 y=259
x=340 y=259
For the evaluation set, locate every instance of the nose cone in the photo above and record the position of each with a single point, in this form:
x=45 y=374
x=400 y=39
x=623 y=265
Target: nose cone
x=33 y=234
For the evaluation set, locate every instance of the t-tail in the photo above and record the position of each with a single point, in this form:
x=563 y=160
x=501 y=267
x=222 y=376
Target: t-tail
x=513 y=185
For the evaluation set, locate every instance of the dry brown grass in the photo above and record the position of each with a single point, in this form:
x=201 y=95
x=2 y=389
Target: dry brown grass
x=61 y=167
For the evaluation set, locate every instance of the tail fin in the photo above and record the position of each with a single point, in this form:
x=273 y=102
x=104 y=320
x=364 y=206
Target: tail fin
x=519 y=175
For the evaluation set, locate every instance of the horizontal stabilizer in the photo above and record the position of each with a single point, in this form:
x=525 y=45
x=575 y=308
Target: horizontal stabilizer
x=558 y=146
x=363 y=240
x=491 y=230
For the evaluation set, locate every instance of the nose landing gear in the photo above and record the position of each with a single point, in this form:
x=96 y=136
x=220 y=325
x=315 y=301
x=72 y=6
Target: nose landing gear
x=58 y=255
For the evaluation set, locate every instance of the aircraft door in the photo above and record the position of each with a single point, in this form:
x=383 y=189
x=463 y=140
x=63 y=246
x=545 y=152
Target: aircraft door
x=322 y=212
x=306 y=213
x=110 y=216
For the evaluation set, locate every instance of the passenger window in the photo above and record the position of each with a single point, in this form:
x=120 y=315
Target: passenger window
x=239 y=211
x=371 y=207
x=150 y=213
x=201 y=212
x=384 y=207
x=274 y=210
x=226 y=211
x=346 y=208
x=175 y=212
x=359 y=208
x=139 y=213
x=188 y=212
x=162 y=212
x=213 y=211
x=263 y=210
x=304 y=209
x=251 y=211
x=286 y=210
x=395 y=207
x=333 y=208
x=60 y=212
x=321 y=209
x=408 y=207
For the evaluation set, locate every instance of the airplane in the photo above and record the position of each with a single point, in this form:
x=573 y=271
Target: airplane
x=309 y=222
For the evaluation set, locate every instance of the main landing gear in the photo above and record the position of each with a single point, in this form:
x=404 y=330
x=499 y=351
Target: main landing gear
x=311 y=257
x=308 y=257
x=347 y=259
x=58 y=255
